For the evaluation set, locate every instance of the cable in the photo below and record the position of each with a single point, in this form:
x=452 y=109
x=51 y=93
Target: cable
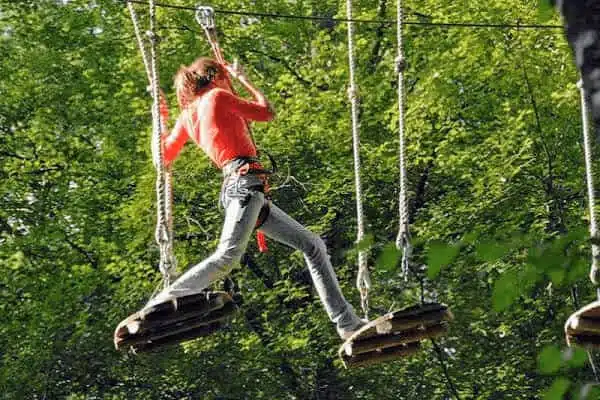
x=364 y=21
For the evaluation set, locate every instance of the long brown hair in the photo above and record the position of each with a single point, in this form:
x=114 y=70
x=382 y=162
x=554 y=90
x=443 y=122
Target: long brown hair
x=190 y=80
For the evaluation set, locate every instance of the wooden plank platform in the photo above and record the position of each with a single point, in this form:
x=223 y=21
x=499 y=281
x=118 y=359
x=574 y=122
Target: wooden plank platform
x=395 y=335
x=175 y=321
x=583 y=327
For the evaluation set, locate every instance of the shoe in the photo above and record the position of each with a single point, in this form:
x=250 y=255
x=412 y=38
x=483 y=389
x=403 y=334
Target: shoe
x=169 y=295
x=346 y=333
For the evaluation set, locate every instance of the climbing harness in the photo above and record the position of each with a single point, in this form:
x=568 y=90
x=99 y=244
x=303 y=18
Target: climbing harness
x=397 y=334
x=583 y=327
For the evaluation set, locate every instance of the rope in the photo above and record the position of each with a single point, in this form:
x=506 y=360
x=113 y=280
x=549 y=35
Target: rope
x=363 y=281
x=590 y=185
x=164 y=225
x=140 y=41
x=403 y=238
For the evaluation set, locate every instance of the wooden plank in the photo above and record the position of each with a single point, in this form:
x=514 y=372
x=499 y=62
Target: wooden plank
x=179 y=338
x=587 y=341
x=426 y=319
x=418 y=309
x=191 y=311
x=583 y=324
x=176 y=329
x=407 y=318
x=376 y=357
x=188 y=306
x=392 y=340
x=192 y=302
x=581 y=327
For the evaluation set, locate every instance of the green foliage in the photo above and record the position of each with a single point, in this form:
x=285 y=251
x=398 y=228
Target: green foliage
x=495 y=186
x=558 y=389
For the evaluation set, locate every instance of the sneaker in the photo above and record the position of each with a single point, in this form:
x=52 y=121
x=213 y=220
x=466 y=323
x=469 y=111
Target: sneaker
x=346 y=333
x=169 y=295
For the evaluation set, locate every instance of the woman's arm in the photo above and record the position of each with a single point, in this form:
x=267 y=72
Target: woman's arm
x=260 y=99
x=173 y=141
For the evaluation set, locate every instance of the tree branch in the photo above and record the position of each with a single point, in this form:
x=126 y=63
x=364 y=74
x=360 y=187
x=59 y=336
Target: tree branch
x=83 y=251
x=379 y=35
x=287 y=66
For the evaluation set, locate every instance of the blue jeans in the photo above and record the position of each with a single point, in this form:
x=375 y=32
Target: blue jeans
x=241 y=213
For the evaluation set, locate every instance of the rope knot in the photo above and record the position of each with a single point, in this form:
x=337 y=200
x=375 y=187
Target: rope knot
x=400 y=64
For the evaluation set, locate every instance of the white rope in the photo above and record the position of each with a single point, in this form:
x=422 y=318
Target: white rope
x=164 y=224
x=140 y=41
x=363 y=281
x=403 y=238
x=590 y=184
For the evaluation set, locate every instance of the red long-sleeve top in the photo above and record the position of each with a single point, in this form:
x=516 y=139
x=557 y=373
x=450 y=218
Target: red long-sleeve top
x=217 y=123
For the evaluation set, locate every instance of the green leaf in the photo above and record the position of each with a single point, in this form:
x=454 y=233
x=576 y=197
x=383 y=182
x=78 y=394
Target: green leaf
x=558 y=389
x=389 y=257
x=491 y=251
x=575 y=357
x=440 y=254
x=366 y=242
x=549 y=360
x=546 y=10
x=557 y=275
x=506 y=290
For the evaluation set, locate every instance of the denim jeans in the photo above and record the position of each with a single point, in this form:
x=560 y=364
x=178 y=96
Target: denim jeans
x=241 y=213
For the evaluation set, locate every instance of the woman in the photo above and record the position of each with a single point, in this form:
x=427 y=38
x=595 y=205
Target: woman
x=216 y=120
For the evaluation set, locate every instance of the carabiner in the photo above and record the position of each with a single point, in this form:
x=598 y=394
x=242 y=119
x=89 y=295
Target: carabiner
x=205 y=16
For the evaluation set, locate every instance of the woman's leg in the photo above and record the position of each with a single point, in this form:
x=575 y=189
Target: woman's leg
x=240 y=219
x=282 y=228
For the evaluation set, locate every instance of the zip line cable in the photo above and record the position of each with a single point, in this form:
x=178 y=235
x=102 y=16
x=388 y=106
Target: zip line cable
x=362 y=21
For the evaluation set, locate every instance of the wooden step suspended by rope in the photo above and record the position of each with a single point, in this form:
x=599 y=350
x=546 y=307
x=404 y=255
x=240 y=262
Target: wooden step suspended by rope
x=583 y=327
x=175 y=321
x=395 y=335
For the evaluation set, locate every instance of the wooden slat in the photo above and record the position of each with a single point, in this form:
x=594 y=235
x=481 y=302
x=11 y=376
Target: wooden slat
x=408 y=318
x=179 y=338
x=189 y=306
x=392 y=340
x=582 y=324
x=426 y=319
x=176 y=329
x=189 y=312
x=375 y=357
x=592 y=341
x=418 y=309
x=184 y=303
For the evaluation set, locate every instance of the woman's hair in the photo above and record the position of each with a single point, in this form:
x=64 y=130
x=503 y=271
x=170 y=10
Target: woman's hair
x=190 y=80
